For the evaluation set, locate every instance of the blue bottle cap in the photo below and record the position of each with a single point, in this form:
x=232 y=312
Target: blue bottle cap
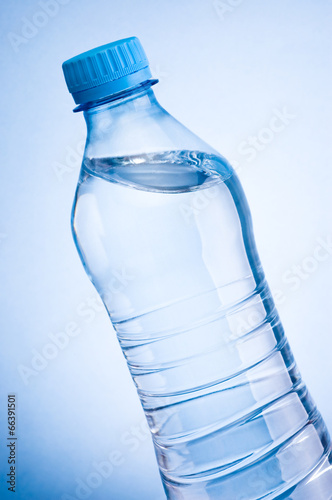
x=106 y=70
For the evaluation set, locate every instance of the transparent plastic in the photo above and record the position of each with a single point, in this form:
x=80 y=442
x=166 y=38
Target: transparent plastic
x=164 y=232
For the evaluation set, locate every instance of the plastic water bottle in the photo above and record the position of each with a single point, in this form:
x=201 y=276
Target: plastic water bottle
x=164 y=232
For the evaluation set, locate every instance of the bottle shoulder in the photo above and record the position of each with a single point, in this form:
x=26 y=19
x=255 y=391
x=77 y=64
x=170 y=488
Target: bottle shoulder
x=138 y=126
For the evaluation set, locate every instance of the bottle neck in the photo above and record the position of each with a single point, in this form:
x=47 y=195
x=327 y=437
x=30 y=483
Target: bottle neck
x=142 y=98
x=123 y=124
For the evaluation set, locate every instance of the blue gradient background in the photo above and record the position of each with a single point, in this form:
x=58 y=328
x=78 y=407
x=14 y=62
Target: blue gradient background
x=222 y=76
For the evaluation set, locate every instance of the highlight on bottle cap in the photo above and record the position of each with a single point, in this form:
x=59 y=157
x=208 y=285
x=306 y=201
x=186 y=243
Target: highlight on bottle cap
x=106 y=70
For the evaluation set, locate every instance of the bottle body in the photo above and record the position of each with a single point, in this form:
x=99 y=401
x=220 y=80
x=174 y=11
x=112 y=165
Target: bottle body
x=164 y=232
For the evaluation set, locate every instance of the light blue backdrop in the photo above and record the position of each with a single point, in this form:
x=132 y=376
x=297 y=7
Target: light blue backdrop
x=227 y=69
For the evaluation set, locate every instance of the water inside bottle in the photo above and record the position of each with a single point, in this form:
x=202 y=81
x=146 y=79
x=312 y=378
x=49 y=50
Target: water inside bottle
x=166 y=239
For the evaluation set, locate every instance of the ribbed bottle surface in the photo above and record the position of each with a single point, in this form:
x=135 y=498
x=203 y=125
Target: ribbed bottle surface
x=167 y=241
